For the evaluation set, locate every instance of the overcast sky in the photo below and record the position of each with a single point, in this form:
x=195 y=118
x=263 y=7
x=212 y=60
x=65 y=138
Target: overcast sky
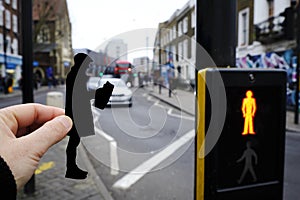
x=96 y=21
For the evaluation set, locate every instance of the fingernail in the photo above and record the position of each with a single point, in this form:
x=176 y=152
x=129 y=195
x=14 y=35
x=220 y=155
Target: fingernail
x=66 y=121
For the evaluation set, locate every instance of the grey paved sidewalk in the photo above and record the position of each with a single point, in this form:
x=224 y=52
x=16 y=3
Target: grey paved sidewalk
x=18 y=92
x=182 y=100
x=185 y=101
x=50 y=183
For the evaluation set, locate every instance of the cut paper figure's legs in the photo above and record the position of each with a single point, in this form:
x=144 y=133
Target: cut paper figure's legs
x=73 y=170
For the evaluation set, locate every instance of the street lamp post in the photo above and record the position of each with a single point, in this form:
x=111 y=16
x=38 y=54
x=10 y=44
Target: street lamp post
x=147 y=64
x=159 y=61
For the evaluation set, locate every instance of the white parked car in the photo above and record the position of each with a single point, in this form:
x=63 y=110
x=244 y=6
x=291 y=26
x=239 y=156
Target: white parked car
x=121 y=94
x=93 y=83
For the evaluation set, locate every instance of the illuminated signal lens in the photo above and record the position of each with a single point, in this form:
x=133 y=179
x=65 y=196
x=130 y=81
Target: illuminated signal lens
x=249 y=110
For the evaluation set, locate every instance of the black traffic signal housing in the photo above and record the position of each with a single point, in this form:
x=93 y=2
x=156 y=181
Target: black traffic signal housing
x=288 y=23
x=240 y=150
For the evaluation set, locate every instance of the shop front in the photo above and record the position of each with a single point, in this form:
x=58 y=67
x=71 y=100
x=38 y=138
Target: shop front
x=11 y=67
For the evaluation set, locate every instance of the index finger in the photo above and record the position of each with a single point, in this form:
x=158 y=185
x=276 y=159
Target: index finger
x=24 y=115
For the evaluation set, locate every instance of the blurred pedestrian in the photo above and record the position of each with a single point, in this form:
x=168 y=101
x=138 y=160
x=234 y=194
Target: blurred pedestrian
x=20 y=83
x=8 y=84
x=50 y=82
x=2 y=85
x=55 y=81
x=35 y=83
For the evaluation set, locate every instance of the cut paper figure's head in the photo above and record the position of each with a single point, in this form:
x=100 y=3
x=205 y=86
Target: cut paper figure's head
x=82 y=57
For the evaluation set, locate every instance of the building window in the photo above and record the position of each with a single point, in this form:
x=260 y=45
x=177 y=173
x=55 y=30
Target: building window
x=193 y=20
x=44 y=35
x=173 y=50
x=1 y=43
x=7 y=1
x=15 y=46
x=7 y=19
x=180 y=29
x=193 y=47
x=185 y=25
x=14 y=4
x=180 y=51
x=243 y=29
x=185 y=49
x=187 y=72
x=15 y=23
x=167 y=38
x=8 y=46
x=174 y=32
x=1 y=15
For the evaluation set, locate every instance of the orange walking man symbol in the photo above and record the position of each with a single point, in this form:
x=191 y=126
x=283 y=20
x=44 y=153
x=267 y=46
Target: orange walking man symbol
x=249 y=109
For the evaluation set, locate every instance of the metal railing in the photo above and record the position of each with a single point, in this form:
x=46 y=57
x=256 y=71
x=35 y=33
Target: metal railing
x=270 y=29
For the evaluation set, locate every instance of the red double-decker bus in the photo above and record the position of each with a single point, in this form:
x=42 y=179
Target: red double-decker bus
x=122 y=67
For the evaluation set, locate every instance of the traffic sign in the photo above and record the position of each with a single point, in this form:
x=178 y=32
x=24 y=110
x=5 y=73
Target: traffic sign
x=246 y=159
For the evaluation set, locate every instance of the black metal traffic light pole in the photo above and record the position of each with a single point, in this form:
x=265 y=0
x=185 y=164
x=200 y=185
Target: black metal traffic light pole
x=296 y=119
x=216 y=31
x=27 y=71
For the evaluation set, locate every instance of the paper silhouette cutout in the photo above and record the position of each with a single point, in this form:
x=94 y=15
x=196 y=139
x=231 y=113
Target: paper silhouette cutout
x=103 y=94
x=81 y=61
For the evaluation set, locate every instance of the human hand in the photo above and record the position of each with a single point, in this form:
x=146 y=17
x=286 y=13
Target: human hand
x=47 y=125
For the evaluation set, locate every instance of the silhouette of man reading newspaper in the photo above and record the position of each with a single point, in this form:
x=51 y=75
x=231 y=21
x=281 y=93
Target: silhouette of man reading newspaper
x=76 y=83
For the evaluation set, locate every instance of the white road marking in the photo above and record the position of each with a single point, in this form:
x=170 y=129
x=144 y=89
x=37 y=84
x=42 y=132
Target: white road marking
x=179 y=116
x=103 y=134
x=170 y=111
x=114 y=162
x=149 y=98
x=156 y=103
x=136 y=174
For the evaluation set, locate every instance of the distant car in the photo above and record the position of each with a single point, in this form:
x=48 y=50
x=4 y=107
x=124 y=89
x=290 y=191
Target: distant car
x=121 y=94
x=93 y=83
x=109 y=70
x=107 y=76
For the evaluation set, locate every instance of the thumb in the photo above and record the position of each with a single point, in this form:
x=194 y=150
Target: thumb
x=50 y=133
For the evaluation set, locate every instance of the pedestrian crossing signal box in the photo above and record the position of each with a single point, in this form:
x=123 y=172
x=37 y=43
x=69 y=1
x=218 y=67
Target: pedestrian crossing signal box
x=240 y=138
